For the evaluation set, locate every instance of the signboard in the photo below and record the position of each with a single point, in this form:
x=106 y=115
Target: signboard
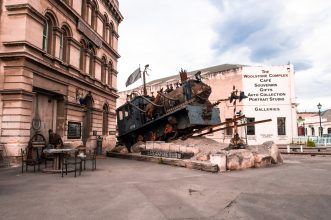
x=167 y=154
x=81 y=26
x=270 y=91
x=74 y=130
x=267 y=90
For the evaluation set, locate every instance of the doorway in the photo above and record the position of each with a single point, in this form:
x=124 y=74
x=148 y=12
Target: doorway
x=45 y=112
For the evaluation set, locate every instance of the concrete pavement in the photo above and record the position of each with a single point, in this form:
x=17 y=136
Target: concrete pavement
x=124 y=189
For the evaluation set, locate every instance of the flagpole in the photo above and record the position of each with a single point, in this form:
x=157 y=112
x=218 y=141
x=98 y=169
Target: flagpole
x=144 y=79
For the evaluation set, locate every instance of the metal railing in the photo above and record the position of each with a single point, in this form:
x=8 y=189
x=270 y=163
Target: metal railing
x=325 y=141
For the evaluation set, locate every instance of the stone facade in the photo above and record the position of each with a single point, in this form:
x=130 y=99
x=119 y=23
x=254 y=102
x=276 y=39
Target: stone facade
x=58 y=61
x=271 y=95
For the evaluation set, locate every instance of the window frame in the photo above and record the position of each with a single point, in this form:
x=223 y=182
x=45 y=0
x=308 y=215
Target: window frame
x=250 y=119
x=61 y=46
x=228 y=131
x=281 y=126
x=45 y=35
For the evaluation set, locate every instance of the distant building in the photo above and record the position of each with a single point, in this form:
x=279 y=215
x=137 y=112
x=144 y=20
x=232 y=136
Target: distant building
x=58 y=61
x=309 y=123
x=271 y=95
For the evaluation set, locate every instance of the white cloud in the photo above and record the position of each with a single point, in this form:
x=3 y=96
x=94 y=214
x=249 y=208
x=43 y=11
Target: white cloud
x=192 y=34
x=166 y=34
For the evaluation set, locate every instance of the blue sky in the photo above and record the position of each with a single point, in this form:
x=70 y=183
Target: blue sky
x=193 y=34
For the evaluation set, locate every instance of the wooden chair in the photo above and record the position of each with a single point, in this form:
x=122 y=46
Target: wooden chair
x=73 y=162
x=28 y=160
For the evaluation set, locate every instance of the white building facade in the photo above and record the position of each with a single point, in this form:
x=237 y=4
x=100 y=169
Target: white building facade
x=310 y=125
x=271 y=95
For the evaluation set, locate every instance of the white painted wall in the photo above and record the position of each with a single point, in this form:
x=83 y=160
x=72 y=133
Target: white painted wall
x=270 y=91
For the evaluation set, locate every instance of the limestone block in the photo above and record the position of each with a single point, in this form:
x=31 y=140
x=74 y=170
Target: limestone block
x=193 y=165
x=219 y=159
x=124 y=150
x=240 y=159
x=262 y=160
x=174 y=148
x=164 y=147
x=157 y=145
x=149 y=145
x=138 y=147
x=275 y=155
x=191 y=149
x=203 y=156
x=120 y=149
x=209 y=167
x=182 y=149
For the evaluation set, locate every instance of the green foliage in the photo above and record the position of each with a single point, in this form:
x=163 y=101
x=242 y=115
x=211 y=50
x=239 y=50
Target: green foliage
x=310 y=143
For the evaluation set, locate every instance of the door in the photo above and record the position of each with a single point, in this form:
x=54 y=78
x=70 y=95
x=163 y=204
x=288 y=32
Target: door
x=45 y=107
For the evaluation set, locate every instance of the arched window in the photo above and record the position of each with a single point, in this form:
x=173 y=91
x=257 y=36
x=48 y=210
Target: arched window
x=48 y=37
x=105 y=27
x=82 y=60
x=87 y=58
x=91 y=60
x=111 y=30
x=89 y=12
x=312 y=131
x=105 y=119
x=110 y=73
x=64 y=46
x=45 y=34
x=103 y=69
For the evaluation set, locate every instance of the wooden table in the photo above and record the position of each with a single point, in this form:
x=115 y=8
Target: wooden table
x=58 y=158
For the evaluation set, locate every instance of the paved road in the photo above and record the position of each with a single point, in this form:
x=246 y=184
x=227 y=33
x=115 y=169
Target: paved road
x=123 y=189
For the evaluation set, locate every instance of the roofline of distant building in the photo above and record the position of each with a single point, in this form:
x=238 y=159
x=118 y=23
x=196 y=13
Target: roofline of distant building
x=212 y=69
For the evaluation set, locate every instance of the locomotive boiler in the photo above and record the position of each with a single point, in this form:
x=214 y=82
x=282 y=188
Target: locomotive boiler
x=170 y=114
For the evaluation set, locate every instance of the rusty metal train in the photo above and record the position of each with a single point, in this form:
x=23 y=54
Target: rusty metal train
x=173 y=113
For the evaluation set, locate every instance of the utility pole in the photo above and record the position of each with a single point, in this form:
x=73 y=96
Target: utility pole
x=319 y=106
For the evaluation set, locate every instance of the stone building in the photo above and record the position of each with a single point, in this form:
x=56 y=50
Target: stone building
x=271 y=95
x=58 y=61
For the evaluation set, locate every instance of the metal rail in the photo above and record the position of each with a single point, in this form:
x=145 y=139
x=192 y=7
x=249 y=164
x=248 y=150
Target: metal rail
x=232 y=126
x=308 y=153
x=213 y=126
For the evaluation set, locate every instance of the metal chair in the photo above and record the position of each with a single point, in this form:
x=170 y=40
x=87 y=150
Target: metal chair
x=90 y=155
x=27 y=160
x=72 y=160
x=48 y=157
x=4 y=160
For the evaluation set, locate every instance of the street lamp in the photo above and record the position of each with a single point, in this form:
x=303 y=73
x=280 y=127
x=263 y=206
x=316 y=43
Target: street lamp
x=319 y=106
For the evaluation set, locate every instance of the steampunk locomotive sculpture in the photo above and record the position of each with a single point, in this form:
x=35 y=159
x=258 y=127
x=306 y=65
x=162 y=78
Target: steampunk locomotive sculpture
x=173 y=113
